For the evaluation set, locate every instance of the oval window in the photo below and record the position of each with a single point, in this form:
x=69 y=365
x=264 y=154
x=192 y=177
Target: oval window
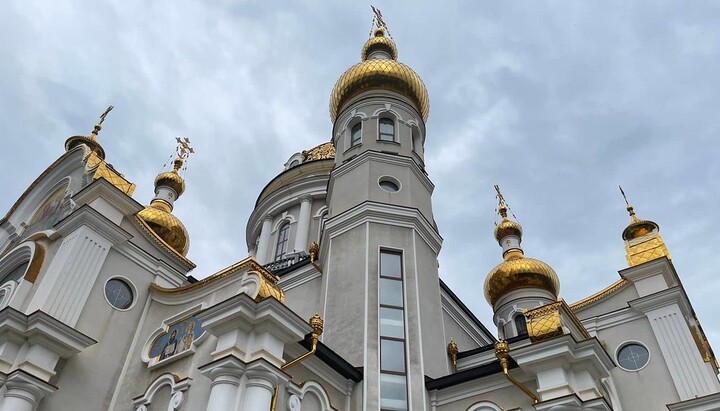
x=633 y=357
x=119 y=294
x=389 y=184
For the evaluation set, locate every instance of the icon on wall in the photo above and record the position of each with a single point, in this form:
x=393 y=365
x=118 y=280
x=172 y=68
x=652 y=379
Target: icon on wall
x=178 y=338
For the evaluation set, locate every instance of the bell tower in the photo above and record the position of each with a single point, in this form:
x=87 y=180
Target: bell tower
x=380 y=243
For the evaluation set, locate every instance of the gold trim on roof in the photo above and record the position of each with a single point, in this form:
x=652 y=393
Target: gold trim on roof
x=552 y=320
x=268 y=288
x=108 y=172
x=322 y=152
x=600 y=295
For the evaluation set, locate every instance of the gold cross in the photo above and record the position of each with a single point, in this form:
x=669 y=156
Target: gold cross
x=378 y=18
x=501 y=199
x=184 y=150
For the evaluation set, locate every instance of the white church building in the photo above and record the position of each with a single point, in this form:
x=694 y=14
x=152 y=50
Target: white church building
x=338 y=305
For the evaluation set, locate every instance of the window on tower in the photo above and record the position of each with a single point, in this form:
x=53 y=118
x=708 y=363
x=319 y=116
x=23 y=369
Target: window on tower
x=356 y=134
x=282 y=241
x=393 y=370
x=521 y=324
x=387 y=130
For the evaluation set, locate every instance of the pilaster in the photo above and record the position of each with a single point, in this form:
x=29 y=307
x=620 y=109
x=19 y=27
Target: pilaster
x=264 y=244
x=66 y=285
x=303 y=227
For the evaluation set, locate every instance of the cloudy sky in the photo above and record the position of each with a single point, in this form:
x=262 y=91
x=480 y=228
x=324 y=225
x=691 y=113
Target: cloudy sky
x=558 y=102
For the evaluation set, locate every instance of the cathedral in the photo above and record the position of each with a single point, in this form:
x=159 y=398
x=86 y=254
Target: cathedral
x=338 y=304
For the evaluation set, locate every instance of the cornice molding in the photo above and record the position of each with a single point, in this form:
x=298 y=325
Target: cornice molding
x=387 y=214
x=88 y=216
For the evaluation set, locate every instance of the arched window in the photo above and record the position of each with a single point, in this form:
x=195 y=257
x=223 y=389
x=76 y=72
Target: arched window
x=16 y=273
x=356 y=134
x=387 y=130
x=282 y=241
x=521 y=324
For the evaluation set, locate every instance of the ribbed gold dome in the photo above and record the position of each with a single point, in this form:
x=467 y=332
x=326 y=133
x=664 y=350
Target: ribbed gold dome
x=168 y=227
x=171 y=179
x=518 y=272
x=507 y=227
x=387 y=74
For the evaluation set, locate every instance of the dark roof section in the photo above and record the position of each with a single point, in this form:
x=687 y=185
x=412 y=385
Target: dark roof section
x=467 y=311
x=281 y=272
x=465 y=375
x=335 y=361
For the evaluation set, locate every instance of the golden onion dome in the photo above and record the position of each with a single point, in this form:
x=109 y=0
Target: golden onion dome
x=171 y=179
x=379 y=73
x=506 y=227
x=168 y=227
x=637 y=227
x=518 y=272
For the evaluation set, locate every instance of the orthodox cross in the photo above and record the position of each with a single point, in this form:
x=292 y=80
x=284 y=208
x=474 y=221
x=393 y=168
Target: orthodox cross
x=98 y=126
x=378 y=21
x=501 y=201
x=624 y=196
x=183 y=149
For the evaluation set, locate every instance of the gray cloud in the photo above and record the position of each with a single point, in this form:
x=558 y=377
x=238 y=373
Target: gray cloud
x=558 y=102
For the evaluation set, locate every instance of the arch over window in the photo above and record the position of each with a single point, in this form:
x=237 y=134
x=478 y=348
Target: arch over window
x=484 y=406
x=25 y=260
x=283 y=238
x=356 y=134
x=520 y=324
x=177 y=386
x=386 y=129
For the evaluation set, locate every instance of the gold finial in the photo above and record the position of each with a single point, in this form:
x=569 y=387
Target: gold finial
x=314 y=250
x=452 y=350
x=98 y=126
x=502 y=206
x=183 y=151
x=317 y=323
x=629 y=207
x=379 y=27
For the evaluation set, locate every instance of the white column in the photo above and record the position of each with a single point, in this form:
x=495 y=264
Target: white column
x=259 y=389
x=225 y=376
x=24 y=392
x=303 y=227
x=262 y=249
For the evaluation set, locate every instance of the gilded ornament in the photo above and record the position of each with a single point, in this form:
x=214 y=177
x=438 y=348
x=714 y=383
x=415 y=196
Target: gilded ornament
x=168 y=227
x=322 y=152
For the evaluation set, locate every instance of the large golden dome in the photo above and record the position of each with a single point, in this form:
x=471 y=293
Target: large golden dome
x=518 y=272
x=379 y=73
x=168 y=227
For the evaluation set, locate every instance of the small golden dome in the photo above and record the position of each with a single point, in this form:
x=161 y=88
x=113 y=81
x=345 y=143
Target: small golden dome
x=379 y=42
x=171 y=179
x=388 y=74
x=518 y=272
x=168 y=227
x=637 y=227
x=506 y=227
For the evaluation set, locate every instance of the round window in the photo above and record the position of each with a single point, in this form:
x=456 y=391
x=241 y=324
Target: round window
x=389 y=184
x=119 y=293
x=633 y=357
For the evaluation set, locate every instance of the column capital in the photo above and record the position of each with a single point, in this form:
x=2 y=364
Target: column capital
x=262 y=373
x=306 y=198
x=229 y=369
x=268 y=217
x=26 y=386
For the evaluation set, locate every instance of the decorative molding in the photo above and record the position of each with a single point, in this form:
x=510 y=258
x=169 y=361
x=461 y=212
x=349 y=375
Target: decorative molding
x=608 y=291
x=387 y=214
x=177 y=389
x=380 y=157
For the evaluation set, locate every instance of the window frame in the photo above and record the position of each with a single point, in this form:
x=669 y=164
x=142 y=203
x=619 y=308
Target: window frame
x=353 y=141
x=284 y=226
x=520 y=331
x=380 y=132
x=400 y=279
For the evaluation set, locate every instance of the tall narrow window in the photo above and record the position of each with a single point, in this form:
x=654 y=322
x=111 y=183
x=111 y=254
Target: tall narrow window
x=393 y=368
x=521 y=324
x=416 y=142
x=282 y=241
x=387 y=129
x=356 y=134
